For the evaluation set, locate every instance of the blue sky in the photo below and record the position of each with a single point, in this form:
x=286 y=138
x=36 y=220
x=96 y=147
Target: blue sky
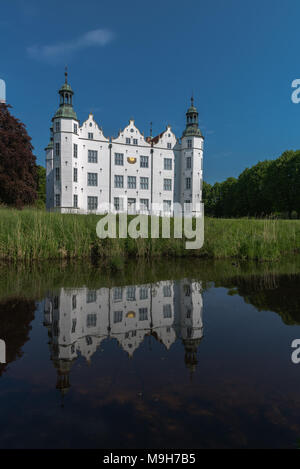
x=143 y=59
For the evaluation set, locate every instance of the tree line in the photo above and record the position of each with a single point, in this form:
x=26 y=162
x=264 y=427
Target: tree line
x=269 y=188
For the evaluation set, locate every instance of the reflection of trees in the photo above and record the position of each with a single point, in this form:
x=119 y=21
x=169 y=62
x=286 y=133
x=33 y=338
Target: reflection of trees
x=15 y=316
x=280 y=294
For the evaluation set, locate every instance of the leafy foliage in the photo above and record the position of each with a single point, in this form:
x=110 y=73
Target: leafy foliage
x=270 y=187
x=41 y=186
x=18 y=175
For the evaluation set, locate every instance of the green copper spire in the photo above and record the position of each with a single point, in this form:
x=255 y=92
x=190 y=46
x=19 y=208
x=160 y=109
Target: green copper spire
x=66 y=93
x=192 y=129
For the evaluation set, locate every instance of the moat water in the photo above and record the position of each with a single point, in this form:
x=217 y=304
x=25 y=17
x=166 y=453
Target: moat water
x=186 y=354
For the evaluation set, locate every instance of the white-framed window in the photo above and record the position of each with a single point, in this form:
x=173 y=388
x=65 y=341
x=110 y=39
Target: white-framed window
x=88 y=340
x=167 y=311
x=144 y=161
x=169 y=145
x=57 y=126
x=187 y=183
x=118 y=203
x=119 y=181
x=168 y=163
x=131 y=182
x=167 y=205
x=92 y=203
x=188 y=162
x=92 y=156
x=144 y=183
x=118 y=316
x=128 y=141
x=118 y=294
x=91 y=320
x=57 y=149
x=119 y=159
x=143 y=293
x=75 y=201
x=130 y=293
x=189 y=143
x=135 y=141
x=143 y=314
x=187 y=205
x=167 y=184
x=91 y=296
x=57 y=174
x=144 y=204
x=167 y=291
x=131 y=203
x=92 y=179
x=57 y=200
x=75 y=150
x=75 y=128
x=75 y=174
x=90 y=136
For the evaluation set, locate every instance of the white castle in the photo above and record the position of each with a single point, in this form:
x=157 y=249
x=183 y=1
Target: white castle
x=87 y=171
x=79 y=320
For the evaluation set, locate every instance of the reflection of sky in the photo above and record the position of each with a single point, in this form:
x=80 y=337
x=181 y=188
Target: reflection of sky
x=244 y=391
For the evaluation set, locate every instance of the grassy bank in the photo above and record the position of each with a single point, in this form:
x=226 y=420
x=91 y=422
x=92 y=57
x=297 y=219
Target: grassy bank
x=37 y=235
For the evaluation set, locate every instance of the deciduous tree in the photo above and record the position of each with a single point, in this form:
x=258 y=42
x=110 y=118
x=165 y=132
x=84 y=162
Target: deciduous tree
x=18 y=172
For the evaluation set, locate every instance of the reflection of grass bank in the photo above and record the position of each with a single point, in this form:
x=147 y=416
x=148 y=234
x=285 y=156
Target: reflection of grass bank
x=37 y=235
x=34 y=281
x=271 y=286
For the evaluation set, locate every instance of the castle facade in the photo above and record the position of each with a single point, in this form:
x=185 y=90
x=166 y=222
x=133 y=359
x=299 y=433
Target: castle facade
x=89 y=172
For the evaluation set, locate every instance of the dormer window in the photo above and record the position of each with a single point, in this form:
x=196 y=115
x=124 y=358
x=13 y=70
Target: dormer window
x=128 y=141
x=135 y=142
x=169 y=145
x=90 y=136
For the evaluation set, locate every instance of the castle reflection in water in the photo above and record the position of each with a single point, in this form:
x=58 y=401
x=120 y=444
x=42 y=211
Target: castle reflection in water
x=78 y=320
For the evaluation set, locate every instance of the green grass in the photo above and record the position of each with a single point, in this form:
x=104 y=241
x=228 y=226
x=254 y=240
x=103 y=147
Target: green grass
x=31 y=234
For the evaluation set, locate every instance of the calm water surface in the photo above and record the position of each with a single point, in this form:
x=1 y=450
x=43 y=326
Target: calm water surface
x=197 y=358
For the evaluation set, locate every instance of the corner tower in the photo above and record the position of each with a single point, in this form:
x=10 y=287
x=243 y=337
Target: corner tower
x=191 y=162
x=65 y=148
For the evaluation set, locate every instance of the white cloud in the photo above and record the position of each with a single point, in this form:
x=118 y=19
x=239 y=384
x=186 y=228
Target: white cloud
x=63 y=50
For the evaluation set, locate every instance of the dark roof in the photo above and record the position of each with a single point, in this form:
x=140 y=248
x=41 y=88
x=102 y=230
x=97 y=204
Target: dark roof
x=155 y=139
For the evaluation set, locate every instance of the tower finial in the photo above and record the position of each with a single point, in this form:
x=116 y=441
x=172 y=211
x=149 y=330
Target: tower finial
x=66 y=74
x=150 y=129
x=192 y=99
